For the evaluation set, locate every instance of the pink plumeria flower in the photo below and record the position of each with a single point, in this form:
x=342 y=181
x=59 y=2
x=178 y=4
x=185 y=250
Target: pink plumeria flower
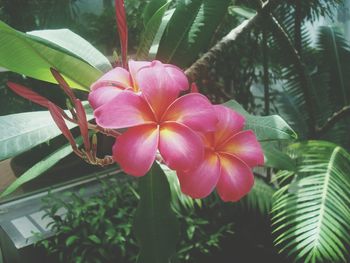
x=119 y=79
x=158 y=120
x=230 y=154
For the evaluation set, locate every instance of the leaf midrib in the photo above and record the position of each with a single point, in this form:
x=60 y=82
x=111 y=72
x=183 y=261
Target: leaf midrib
x=325 y=193
x=25 y=41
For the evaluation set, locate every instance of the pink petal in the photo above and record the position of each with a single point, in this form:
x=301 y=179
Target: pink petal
x=230 y=123
x=123 y=111
x=179 y=80
x=103 y=95
x=200 y=182
x=245 y=146
x=193 y=110
x=158 y=87
x=118 y=77
x=236 y=178
x=135 y=150
x=134 y=67
x=180 y=147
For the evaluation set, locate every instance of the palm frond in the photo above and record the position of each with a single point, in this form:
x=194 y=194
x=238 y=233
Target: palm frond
x=334 y=52
x=312 y=213
x=259 y=198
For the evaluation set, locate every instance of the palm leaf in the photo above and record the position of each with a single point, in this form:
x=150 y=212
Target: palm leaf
x=190 y=30
x=312 y=214
x=259 y=198
x=334 y=53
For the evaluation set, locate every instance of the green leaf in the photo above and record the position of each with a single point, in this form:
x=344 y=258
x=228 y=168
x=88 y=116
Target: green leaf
x=75 y=44
x=179 y=201
x=312 y=213
x=155 y=45
x=266 y=128
x=23 y=131
x=242 y=11
x=95 y=239
x=155 y=224
x=259 y=198
x=33 y=57
x=177 y=28
x=275 y=158
x=150 y=32
x=70 y=240
x=187 y=34
x=40 y=167
x=152 y=7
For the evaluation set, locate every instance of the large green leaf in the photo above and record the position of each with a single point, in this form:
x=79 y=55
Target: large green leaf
x=155 y=224
x=33 y=56
x=266 y=128
x=202 y=31
x=177 y=28
x=276 y=158
x=75 y=44
x=40 y=167
x=152 y=7
x=312 y=213
x=23 y=131
x=150 y=32
x=191 y=34
x=179 y=201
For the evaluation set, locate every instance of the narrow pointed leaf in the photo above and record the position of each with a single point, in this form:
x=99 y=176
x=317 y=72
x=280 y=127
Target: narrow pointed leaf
x=150 y=32
x=40 y=167
x=155 y=224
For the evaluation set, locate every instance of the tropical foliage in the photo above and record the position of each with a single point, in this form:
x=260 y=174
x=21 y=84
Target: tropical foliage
x=256 y=53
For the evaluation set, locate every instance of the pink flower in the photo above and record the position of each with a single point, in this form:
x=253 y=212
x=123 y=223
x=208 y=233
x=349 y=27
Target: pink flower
x=157 y=120
x=119 y=79
x=230 y=154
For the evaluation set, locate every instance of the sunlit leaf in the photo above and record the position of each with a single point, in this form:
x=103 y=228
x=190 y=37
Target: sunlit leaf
x=242 y=11
x=266 y=128
x=312 y=213
x=33 y=57
x=76 y=45
x=23 y=131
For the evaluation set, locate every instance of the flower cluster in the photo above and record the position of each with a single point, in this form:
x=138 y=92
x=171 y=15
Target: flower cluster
x=204 y=143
